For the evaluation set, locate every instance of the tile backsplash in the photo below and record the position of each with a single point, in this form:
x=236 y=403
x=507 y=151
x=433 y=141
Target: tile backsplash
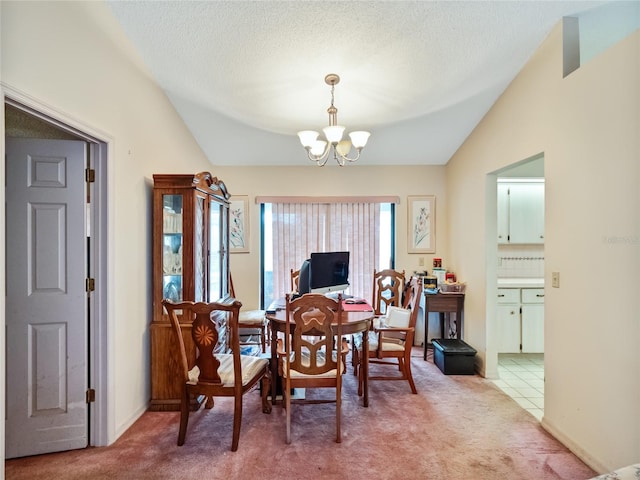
x=520 y=261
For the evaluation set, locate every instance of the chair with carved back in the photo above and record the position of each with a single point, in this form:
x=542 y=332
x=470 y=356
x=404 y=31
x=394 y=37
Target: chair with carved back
x=252 y=322
x=391 y=340
x=307 y=356
x=388 y=288
x=217 y=369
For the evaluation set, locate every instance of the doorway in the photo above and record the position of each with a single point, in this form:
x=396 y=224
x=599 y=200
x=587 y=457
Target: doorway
x=515 y=303
x=25 y=119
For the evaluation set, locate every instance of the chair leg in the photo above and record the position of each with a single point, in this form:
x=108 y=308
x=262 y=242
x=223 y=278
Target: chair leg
x=406 y=371
x=360 y=378
x=266 y=391
x=287 y=405
x=338 y=410
x=355 y=357
x=184 y=416
x=237 y=422
x=345 y=351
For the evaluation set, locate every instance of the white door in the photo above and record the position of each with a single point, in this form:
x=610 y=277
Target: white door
x=46 y=308
x=508 y=321
x=533 y=328
x=526 y=213
x=533 y=320
x=503 y=213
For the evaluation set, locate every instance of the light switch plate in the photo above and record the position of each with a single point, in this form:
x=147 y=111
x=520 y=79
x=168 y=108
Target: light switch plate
x=555 y=279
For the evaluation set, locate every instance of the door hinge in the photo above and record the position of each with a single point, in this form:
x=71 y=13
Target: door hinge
x=89 y=177
x=90 y=284
x=91 y=395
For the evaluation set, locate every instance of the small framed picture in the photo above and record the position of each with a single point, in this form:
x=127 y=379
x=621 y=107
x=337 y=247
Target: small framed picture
x=239 y=224
x=421 y=222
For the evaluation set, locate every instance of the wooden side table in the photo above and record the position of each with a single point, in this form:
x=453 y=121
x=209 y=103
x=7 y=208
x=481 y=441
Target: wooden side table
x=443 y=303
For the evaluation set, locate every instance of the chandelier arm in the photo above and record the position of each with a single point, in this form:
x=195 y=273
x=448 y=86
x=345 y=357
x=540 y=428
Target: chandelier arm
x=348 y=159
x=319 y=158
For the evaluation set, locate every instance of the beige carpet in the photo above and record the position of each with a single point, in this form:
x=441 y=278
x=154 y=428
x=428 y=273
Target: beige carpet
x=457 y=427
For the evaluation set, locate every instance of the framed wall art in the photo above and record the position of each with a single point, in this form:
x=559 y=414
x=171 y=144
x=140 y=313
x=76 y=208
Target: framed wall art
x=239 y=224
x=421 y=221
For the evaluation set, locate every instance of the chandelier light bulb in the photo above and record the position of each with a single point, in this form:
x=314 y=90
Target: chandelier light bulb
x=333 y=133
x=308 y=138
x=359 y=138
x=318 y=147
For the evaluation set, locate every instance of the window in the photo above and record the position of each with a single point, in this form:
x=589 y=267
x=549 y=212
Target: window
x=292 y=231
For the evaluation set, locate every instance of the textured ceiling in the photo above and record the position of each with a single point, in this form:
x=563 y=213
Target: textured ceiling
x=418 y=74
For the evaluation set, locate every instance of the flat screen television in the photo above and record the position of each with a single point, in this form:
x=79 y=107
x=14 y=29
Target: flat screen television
x=329 y=272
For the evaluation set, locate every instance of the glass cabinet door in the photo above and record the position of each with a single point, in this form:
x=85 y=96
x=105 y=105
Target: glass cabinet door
x=172 y=241
x=224 y=250
x=215 y=251
x=200 y=250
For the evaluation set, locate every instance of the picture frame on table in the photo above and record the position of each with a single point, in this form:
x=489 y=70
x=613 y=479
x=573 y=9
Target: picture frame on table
x=421 y=223
x=239 y=224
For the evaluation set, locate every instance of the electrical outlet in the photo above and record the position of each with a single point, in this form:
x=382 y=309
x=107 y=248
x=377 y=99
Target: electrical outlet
x=421 y=261
x=555 y=279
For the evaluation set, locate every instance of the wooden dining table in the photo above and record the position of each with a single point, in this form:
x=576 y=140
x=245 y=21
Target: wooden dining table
x=356 y=318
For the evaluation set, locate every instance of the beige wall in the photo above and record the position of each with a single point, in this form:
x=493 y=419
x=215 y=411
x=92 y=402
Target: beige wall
x=587 y=126
x=58 y=56
x=329 y=181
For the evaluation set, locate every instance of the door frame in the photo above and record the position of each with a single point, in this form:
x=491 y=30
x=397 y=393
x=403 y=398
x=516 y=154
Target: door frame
x=100 y=356
x=491 y=275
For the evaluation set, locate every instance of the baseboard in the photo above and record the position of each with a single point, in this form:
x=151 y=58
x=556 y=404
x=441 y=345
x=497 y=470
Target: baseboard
x=123 y=427
x=573 y=447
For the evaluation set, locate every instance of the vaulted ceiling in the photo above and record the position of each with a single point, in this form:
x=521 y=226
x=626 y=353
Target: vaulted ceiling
x=247 y=75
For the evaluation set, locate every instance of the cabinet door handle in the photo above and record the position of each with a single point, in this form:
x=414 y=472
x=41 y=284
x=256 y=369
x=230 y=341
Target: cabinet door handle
x=539 y=295
x=500 y=295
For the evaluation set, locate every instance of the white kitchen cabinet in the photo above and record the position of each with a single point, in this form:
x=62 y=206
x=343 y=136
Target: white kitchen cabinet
x=508 y=315
x=520 y=213
x=503 y=213
x=532 y=320
x=520 y=320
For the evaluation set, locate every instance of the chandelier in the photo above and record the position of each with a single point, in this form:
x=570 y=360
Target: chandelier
x=318 y=150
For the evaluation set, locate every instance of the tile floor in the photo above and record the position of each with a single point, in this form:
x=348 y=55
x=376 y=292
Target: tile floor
x=522 y=378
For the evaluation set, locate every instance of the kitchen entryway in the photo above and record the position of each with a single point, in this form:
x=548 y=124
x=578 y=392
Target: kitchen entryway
x=522 y=378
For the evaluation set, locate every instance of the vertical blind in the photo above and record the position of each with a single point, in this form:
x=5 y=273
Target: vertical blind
x=302 y=228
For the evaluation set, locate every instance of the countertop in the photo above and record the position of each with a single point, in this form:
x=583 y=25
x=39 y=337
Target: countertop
x=521 y=283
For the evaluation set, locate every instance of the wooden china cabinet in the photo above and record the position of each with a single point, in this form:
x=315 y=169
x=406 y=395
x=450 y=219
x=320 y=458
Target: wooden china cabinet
x=190 y=262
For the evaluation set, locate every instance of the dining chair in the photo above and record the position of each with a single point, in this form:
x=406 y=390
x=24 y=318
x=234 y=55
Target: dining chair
x=388 y=288
x=307 y=355
x=391 y=341
x=251 y=322
x=217 y=369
